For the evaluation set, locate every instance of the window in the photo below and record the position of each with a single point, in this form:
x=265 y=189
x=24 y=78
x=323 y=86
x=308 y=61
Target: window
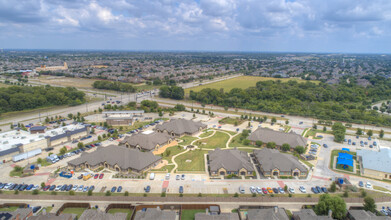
x=229 y=172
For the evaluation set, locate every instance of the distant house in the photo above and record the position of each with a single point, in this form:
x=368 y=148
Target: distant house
x=309 y=214
x=18 y=214
x=180 y=127
x=267 y=135
x=274 y=163
x=221 y=216
x=375 y=164
x=364 y=215
x=267 y=214
x=100 y=215
x=156 y=214
x=230 y=162
x=116 y=158
x=146 y=141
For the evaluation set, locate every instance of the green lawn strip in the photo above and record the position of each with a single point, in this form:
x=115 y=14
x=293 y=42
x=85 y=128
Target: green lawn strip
x=235 y=142
x=189 y=214
x=310 y=165
x=9 y=209
x=232 y=121
x=312 y=132
x=129 y=212
x=197 y=161
x=230 y=132
x=187 y=140
x=219 y=139
x=77 y=211
x=206 y=134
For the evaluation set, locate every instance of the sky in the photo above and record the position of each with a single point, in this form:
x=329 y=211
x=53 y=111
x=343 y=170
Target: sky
x=335 y=26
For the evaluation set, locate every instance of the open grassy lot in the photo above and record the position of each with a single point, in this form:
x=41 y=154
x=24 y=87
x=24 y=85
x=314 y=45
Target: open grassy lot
x=197 y=161
x=77 y=211
x=219 y=139
x=128 y=211
x=9 y=209
x=187 y=140
x=171 y=151
x=66 y=81
x=235 y=142
x=242 y=82
x=206 y=133
x=232 y=121
x=189 y=214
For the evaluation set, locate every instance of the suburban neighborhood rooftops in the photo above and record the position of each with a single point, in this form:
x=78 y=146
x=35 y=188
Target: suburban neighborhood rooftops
x=100 y=215
x=53 y=216
x=222 y=216
x=181 y=126
x=230 y=160
x=309 y=214
x=270 y=159
x=267 y=214
x=376 y=160
x=156 y=214
x=268 y=135
x=365 y=215
x=146 y=141
x=124 y=157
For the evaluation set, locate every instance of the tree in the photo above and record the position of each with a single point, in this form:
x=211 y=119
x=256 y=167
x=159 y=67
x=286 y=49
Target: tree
x=39 y=160
x=338 y=131
x=180 y=107
x=108 y=193
x=35 y=192
x=324 y=128
x=287 y=122
x=300 y=149
x=99 y=138
x=369 y=133
x=285 y=147
x=126 y=193
x=334 y=203
x=381 y=134
x=314 y=126
x=274 y=120
x=271 y=145
x=246 y=142
x=359 y=131
x=43 y=185
x=89 y=193
x=63 y=150
x=70 y=115
x=369 y=204
x=258 y=143
x=333 y=187
x=71 y=193
x=80 y=145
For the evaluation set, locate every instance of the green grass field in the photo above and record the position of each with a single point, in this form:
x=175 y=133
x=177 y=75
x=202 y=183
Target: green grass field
x=219 y=139
x=187 y=140
x=77 y=211
x=232 y=121
x=171 y=151
x=206 y=134
x=128 y=211
x=197 y=161
x=189 y=214
x=242 y=82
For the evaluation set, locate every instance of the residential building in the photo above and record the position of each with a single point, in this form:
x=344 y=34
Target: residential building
x=18 y=214
x=117 y=158
x=230 y=162
x=267 y=214
x=156 y=214
x=365 y=215
x=100 y=215
x=221 y=216
x=271 y=162
x=180 y=127
x=147 y=141
x=53 y=216
x=267 y=135
x=375 y=164
x=309 y=214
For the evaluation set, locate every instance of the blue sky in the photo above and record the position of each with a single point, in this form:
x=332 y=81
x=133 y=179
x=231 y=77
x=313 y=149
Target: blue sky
x=352 y=26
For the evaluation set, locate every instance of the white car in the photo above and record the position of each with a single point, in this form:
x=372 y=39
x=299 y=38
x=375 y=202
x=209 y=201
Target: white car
x=302 y=189
x=8 y=185
x=35 y=187
x=291 y=190
x=58 y=188
x=81 y=187
x=85 y=189
x=259 y=190
x=368 y=185
x=252 y=189
x=74 y=188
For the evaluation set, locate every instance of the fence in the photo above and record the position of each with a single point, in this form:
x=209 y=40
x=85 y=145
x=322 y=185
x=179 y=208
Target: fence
x=72 y=205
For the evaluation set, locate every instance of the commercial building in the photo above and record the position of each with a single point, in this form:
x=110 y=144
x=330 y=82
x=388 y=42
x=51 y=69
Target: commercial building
x=180 y=127
x=267 y=135
x=375 y=164
x=147 y=141
x=230 y=162
x=123 y=118
x=18 y=214
x=116 y=158
x=51 y=68
x=271 y=162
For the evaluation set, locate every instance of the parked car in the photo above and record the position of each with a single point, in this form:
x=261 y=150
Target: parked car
x=91 y=188
x=147 y=189
x=319 y=189
x=101 y=176
x=74 y=188
x=324 y=189
x=269 y=190
x=81 y=187
x=58 y=188
x=167 y=176
x=85 y=189
x=113 y=189
x=264 y=190
x=252 y=189
x=181 y=189
x=183 y=177
x=291 y=190
x=96 y=176
x=368 y=185
x=52 y=187
x=361 y=184
x=178 y=177
x=259 y=190
x=314 y=190
x=281 y=190
x=46 y=188
x=242 y=190
x=275 y=190
x=119 y=189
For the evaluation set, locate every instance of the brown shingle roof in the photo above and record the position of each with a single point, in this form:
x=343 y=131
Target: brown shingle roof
x=124 y=157
x=268 y=135
x=270 y=159
x=181 y=126
x=232 y=160
x=146 y=141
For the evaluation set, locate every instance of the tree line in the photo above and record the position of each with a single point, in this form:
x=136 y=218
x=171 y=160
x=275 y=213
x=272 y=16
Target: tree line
x=17 y=98
x=342 y=102
x=116 y=86
x=172 y=92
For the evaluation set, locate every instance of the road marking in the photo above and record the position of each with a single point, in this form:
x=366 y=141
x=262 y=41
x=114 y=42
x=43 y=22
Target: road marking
x=281 y=184
x=41 y=174
x=320 y=177
x=165 y=184
x=50 y=181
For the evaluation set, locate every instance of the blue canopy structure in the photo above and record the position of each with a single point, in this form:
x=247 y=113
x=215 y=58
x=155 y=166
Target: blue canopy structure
x=345 y=162
x=346 y=149
x=345 y=156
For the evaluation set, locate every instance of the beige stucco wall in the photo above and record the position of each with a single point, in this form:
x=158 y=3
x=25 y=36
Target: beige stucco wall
x=376 y=174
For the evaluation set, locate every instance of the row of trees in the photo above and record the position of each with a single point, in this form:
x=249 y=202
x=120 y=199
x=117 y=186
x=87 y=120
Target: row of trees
x=116 y=86
x=341 y=102
x=17 y=98
x=172 y=92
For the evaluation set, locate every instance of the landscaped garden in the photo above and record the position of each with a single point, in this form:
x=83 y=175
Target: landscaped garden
x=187 y=140
x=191 y=161
x=77 y=211
x=219 y=139
x=189 y=214
x=127 y=211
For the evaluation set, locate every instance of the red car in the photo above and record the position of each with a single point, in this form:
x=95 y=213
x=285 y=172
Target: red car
x=101 y=176
x=92 y=145
x=46 y=187
x=96 y=176
x=264 y=190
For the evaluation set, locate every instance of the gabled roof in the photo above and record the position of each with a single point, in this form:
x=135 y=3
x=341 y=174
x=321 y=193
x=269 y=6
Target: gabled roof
x=267 y=214
x=155 y=214
x=309 y=214
x=268 y=135
x=365 y=215
x=222 y=216
x=376 y=160
x=146 y=141
x=231 y=160
x=124 y=157
x=100 y=215
x=270 y=159
x=181 y=126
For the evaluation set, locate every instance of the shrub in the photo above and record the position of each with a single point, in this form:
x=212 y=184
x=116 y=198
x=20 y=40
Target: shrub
x=236 y=194
x=16 y=192
x=145 y=195
x=126 y=193
x=363 y=193
x=163 y=194
x=290 y=195
x=180 y=194
x=199 y=194
x=53 y=193
x=71 y=193
x=108 y=193
x=254 y=195
x=35 y=192
x=345 y=194
x=89 y=193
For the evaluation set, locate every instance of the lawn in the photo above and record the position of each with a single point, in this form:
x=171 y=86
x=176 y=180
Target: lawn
x=9 y=209
x=166 y=168
x=235 y=142
x=66 y=81
x=187 y=140
x=219 y=139
x=77 y=211
x=242 y=82
x=197 y=161
x=206 y=134
x=128 y=211
x=233 y=121
x=189 y=214
x=171 y=151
